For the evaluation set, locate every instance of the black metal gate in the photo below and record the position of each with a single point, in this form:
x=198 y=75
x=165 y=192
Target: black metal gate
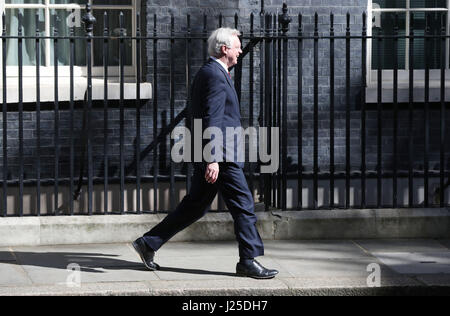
x=270 y=53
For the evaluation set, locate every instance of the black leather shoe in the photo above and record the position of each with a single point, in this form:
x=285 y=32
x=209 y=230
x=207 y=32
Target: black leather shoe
x=147 y=255
x=254 y=270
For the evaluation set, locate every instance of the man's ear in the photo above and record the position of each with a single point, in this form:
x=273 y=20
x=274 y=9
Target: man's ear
x=223 y=49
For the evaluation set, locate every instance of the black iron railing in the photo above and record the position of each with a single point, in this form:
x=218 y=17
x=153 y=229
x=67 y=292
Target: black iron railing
x=271 y=102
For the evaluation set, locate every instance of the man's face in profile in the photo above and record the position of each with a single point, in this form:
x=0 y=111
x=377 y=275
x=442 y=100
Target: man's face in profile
x=233 y=52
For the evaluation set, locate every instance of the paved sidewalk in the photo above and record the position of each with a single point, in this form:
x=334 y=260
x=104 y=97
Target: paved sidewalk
x=319 y=267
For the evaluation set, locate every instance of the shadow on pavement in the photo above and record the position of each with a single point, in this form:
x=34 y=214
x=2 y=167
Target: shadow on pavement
x=195 y=271
x=88 y=262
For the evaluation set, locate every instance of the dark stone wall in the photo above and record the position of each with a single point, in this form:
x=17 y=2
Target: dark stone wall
x=308 y=8
x=243 y=8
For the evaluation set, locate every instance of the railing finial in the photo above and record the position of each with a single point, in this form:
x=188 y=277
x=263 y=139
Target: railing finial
x=89 y=21
x=285 y=19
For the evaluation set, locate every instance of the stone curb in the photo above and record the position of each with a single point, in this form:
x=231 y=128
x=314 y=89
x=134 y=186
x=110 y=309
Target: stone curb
x=216 y=288
x=274 y=225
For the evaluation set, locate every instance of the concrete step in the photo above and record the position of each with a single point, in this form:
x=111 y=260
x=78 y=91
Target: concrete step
x=273 y=225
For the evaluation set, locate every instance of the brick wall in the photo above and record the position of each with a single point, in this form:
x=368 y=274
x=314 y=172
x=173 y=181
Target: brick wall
x=212 y=8
x=339 y=8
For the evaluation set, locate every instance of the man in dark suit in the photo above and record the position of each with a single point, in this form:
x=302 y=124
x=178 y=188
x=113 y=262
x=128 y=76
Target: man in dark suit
x=215 y=102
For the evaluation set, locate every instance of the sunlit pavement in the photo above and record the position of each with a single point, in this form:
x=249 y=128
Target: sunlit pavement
x=318 y=267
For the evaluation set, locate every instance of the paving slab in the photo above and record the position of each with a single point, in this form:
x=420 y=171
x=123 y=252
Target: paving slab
x=206 y=268
x=331 y=267
x=97 y=263
x=46 y=276
x=13 y=275
x=401 y=245
x=6 y=255
x=194 y=249
x=417 y=263
x=315 y=249
x=193 y=268
x=89 y=256
x=317 y=267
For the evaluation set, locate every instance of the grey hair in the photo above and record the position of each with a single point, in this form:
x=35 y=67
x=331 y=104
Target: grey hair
x=220 y=37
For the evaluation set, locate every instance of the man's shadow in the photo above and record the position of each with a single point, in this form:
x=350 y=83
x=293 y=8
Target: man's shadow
x=88 y=262
x=196 y=271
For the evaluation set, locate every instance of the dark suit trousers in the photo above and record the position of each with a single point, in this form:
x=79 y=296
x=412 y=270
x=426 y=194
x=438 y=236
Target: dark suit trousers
x=236 y=194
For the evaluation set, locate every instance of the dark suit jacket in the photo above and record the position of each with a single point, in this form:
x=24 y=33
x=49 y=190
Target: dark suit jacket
x=215 y=101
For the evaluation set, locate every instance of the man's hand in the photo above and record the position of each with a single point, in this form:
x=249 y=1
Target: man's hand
x=212 y=172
